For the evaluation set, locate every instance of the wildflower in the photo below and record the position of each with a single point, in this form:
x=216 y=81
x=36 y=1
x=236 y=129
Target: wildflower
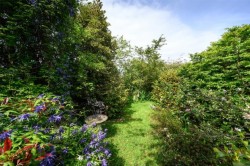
x=48 y=160
x=84 y=128
x=80 y=158
x=55 y=99
x=83 y=140
x=94 y=124
x=55 y=118
x=104 y=162
x=89 y=164
x=36 y=128
x=65 y=151
x=74 y=132
x=5 y=135
x=93 y=136
x=47 y=130
x=24 y=117
x=86 y=150
x=40 y=96
x=101 y=135
x=61 y=130
x=237 y=129
x=107 y=152
x=223 y=99
x=40 y=108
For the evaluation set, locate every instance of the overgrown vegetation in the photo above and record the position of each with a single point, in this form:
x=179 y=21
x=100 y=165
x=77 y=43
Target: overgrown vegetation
x=204 y=105
x=64 y=49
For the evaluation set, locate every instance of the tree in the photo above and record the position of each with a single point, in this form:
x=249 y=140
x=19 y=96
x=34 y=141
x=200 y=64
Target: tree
x=225 y=64
x=144 y=69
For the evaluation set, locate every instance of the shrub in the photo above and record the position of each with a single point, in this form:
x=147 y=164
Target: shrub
x=44 y=130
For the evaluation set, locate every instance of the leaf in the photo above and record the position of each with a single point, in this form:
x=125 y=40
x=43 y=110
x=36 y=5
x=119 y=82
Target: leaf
x=8 y=163
x=218 y=152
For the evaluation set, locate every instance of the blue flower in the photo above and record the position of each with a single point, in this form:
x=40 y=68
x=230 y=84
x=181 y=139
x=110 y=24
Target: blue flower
x=41 y=95
x=48 y=161
x=101 y=135
x=24 y=117
x=83 y=140
x=55 y=99
x=74 y=132
x=40 y=108
x=47 y=130
x=84 y=128
x=94 y=124
x=61 y=130
x=36 y=128
x=5 y=135
x=104 y=162
x=65 y=151
x=107 y=152
x=89 y=164
x=55 y=118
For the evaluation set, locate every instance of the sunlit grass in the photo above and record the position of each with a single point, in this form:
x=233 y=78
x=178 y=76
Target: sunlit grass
x=132 y=141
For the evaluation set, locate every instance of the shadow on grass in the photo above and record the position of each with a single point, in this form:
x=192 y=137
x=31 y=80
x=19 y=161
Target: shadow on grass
x=115 y=159
x=113 y=127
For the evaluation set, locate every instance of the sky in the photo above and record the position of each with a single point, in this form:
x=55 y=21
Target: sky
x=189 y=26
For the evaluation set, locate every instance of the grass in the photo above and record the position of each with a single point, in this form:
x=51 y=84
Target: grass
x=131 y=138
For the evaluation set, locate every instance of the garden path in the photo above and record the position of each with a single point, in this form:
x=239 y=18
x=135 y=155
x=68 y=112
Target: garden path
x=131 y=138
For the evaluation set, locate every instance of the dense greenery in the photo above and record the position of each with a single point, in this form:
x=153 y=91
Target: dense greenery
x=44 y=130
x=64 y=49
x=59 y=47
x=225 y=64
x=204 y=108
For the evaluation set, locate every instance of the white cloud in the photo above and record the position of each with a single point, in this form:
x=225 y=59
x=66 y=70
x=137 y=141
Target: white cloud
x=141 y=24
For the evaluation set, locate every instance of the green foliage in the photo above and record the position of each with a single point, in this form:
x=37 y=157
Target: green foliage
x=166 y=88
x=143 y=70
x=42 y=129
x=97 y=76
x=225 y=64
x=205 y=106
x=186 y=147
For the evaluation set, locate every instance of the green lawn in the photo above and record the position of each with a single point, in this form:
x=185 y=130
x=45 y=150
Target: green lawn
x=131 y=139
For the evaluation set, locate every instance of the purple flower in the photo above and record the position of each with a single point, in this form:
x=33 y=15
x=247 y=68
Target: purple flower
x=101 y=135
x=93 y=136
x=41 y=95
x=104 y=162
x=40 y=108
x=5 y=135
x=84 y=128
x=54 y=118
x=48 y=161
x=86 y=150
x=36 y=128
x=65 y=151
x=94 y=124
x=74 y=132
x=61 y=130
x=89 y=164
x=83 y=140
x=47 y=130
x=24 y=117
x=107 y=152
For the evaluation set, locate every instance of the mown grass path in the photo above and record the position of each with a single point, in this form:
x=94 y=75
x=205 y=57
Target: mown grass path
x=131 y=138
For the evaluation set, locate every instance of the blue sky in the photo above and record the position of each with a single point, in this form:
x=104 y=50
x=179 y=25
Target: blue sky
x=188 y=25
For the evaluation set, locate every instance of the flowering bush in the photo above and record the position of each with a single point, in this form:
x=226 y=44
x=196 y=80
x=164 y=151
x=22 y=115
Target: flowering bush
x=44 y=131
